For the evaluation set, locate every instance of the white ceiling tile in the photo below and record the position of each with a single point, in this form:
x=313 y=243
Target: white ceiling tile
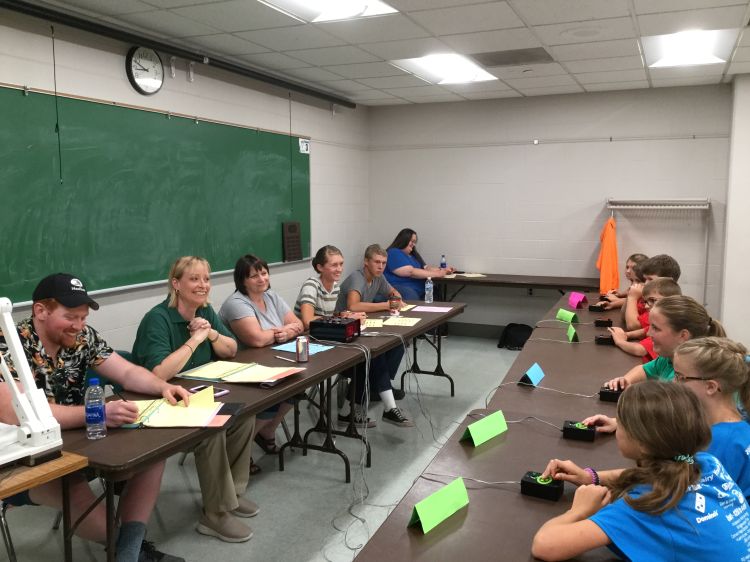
x=416 y=91
x=390 y=27
x=551 y=90
x=328 y=56
x=413 y=5
x=745 y=39
x=279 y=61
x=468 y=19
x=603 y=87
x=168 y=23
x=373 y=95
x=670 y=82
x=313 y=74
x=385 y=82
x=540 y=12
x=672 y=22
x=603 y=65
x=611 y=76
x=412 y=48
x=541 y=81
x=742 y=54
x=385 y=102
x=739 y=68
x=656 y=6
x=491 y=95
x=434 y=99
x=348 y=86
x=595 y=50
x=488 y=41
x=577 y=32
x=527 y=70
x=237 y=15
x=291 y=38
x=171 y=3
x=366 y=70
x=226 y=44
x=486 y=86
x=108 y=7
x=687 y=71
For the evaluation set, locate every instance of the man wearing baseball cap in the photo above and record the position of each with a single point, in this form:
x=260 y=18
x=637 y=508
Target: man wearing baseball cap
x=60 y=347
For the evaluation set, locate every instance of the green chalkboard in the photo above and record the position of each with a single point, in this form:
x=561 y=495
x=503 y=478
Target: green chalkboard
x=115 y=195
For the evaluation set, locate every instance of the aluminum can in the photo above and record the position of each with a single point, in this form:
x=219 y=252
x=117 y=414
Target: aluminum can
x=303 y=349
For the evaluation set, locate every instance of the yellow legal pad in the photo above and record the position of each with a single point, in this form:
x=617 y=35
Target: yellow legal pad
x=160 y=413
x=228 y=371
x=401 y=321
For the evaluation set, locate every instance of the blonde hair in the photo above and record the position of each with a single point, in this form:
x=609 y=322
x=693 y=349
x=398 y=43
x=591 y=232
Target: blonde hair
x=178 y=270
x=374 y=250
x=667 y=422
x=685 y=313
x=723 y=360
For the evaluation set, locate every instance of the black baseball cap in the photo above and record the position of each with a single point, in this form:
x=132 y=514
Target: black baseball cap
x=65 y=289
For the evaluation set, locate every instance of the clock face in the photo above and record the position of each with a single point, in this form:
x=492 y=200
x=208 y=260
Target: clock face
x=145 y=70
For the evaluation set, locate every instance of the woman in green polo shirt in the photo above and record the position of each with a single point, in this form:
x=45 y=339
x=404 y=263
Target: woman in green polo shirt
x=181 y=333
x=673 y=320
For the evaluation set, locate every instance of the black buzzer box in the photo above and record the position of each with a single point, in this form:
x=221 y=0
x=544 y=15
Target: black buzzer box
x=532 y=484
x=335 y=328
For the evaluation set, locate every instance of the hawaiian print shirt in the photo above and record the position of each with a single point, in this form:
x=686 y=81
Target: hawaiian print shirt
x=64 y=379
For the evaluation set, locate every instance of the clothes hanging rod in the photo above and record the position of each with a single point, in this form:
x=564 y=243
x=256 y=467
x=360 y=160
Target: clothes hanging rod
x=659 y=204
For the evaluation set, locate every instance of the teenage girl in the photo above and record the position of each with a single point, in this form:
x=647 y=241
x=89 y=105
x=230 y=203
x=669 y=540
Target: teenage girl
x=673 y=320
x=676 y=504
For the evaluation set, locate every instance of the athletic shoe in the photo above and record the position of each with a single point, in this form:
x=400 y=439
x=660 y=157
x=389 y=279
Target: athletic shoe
x=360 y=419
x=398 y=394
x=224 y=526
x=150 y=554
x=247 y=508
x=395 y=417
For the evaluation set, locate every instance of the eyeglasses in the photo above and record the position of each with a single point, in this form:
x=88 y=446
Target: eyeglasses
x=683 y=378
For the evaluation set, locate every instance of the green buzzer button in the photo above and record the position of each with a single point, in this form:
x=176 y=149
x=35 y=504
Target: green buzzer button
x=544 y=480
x=581 y=425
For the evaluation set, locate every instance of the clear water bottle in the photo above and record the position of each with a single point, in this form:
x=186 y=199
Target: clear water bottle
x=443 y=263
x=428 y=290
x=96 y=423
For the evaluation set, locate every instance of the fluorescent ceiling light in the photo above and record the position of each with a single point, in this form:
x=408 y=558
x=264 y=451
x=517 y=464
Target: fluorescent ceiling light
x=329 y=10
x=444 y=69
x=689 y=48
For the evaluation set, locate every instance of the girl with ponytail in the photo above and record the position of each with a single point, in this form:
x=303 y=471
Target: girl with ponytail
x=673 y=320
x=677 y=503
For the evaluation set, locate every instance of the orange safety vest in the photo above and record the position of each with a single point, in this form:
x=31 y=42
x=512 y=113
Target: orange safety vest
x=606 y=263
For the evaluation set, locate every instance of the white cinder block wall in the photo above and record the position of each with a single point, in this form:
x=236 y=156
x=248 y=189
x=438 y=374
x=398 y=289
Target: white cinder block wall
x=493 y=201
x=92 y=66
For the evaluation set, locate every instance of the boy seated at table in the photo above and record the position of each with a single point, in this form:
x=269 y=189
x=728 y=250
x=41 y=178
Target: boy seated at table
x=60 y=348
x=367 y=290
x=660 y=265
x=653 y=292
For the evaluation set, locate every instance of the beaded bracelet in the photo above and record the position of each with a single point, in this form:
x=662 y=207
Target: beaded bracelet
x=594 y=475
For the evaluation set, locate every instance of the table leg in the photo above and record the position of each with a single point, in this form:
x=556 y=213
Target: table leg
x=67 y=531
x=109 y=490
x=438 y=372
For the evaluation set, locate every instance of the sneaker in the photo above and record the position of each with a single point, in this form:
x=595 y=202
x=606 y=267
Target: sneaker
x=398 y=394
x=150 y=554
x=247 y=508
x=395 y=417
x=224 y=526
x=360 y=419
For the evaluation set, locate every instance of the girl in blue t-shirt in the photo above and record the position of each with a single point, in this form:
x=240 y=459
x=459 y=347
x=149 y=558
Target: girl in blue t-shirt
x=673 y=320
x=716 y=371
x=676 y=504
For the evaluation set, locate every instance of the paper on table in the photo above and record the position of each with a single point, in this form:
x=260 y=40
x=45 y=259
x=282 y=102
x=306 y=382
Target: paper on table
x=215 y=371
x=432 y=308
x=261 y=373
x=291 y=347
x=160 y=413
x=472 y=274
x=407 y=307
x=373 y=323
x=401 y=321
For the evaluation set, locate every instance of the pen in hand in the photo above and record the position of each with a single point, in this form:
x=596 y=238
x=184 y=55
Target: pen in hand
x=120 y=396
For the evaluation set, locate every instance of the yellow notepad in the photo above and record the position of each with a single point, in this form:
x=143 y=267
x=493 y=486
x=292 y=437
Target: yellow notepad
x=401 y=321
x=160 y=413
x=407 y=307
x=216 y=370
x=373 y=323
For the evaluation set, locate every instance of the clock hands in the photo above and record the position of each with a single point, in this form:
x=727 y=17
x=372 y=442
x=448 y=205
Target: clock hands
x=140 y=66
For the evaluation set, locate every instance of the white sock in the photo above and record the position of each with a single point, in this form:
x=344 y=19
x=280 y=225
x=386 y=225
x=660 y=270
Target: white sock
x=389 y=402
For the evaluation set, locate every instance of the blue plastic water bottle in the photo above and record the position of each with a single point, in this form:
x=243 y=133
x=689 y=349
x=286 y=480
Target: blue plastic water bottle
x=428 y=290
x=96 y=423
x=443 y=263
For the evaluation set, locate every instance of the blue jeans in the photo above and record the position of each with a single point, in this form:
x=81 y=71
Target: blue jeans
x=383 y=370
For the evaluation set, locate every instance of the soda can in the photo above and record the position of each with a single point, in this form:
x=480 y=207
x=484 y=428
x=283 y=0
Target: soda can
x=303 y=349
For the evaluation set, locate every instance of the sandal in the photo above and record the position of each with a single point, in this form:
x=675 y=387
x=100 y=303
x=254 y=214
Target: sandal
x=254 y=468
x=268 y=445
